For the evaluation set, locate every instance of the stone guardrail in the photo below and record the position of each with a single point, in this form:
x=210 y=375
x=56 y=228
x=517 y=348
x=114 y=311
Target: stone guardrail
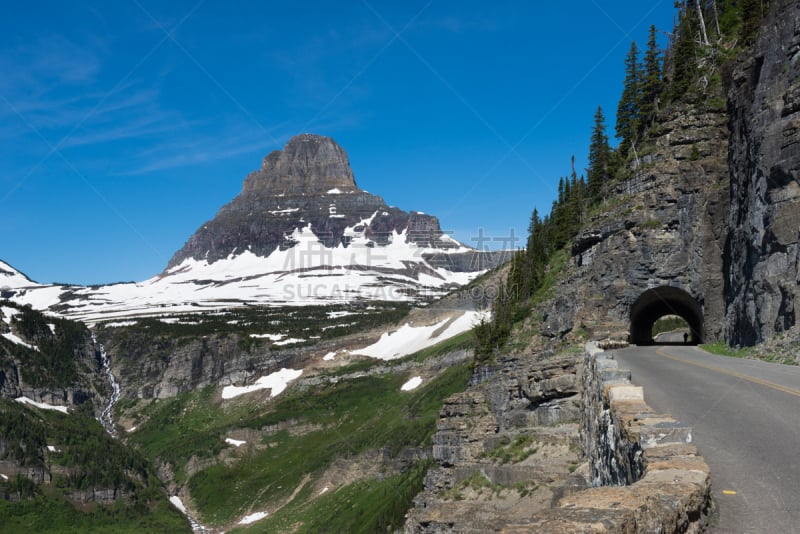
x=647 y=476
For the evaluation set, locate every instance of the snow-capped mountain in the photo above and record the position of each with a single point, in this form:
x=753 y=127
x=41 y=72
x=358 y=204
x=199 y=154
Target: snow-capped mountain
x=300 y=232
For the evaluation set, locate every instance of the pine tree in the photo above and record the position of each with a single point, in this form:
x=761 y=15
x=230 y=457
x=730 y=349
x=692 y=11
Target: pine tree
x=630 y=102
x=684 y=56
x=599 y=156
x=651 y=83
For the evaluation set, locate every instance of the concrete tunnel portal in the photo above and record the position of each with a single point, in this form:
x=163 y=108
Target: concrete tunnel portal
x=658 y=302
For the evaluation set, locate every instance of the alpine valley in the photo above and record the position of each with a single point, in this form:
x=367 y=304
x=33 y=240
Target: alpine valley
x=314 y=359
x=292 y=356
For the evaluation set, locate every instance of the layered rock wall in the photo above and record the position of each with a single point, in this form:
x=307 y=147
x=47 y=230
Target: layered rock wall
x=712 y=208
x=163 y=366
x=665 y=226
x=508 y=457
x=647 y=475
x=505 y=447
x=308 y=183
x=763 y=252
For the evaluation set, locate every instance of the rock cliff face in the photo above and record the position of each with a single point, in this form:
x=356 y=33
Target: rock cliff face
x=762 y=276
x=309 y=182
x=707 y=227
x=48 y=360
x=665 y=227
x=308 y=164
x=164 y=366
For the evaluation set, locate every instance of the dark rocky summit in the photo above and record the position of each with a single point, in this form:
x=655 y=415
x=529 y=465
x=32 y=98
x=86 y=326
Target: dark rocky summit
x=309 y=182
x=307 y=164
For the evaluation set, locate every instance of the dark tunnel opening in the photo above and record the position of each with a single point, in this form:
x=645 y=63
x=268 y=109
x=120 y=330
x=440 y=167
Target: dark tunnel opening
x=659 y=302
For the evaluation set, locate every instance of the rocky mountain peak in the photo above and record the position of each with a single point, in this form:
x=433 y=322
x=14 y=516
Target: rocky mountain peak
x=307 y=164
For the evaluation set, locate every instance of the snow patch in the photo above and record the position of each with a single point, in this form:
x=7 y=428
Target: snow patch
x=306 y=273
x=117 y=324
x=282 y=212
x=334 y=191
x=324 y=490
x=8 y=313
x=4 y=477
x=337 y=314
x=271 y=337
x=329 y=357
x=276 y=382
x=178 y=503
x=290 y=341
x=42 y=405
x=409 y=339
x=52 y=448
x=252 y=518
x=18 y=341
x=411 y=384
x=235 y=442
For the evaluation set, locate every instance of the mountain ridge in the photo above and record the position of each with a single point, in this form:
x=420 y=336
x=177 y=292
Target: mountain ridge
x=300 y=232
x=308 y=182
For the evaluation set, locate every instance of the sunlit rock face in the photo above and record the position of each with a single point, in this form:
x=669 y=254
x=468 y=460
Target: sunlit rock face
x=307 y=164
x=308 y=184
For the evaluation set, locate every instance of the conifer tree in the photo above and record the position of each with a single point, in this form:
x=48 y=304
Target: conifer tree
x=599 y=156
x=684 y=56
x=651 y=83
x=629 y=104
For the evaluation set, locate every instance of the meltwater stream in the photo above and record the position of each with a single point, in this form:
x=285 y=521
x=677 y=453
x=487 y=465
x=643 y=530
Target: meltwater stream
x=107 y=416
x=107 y=420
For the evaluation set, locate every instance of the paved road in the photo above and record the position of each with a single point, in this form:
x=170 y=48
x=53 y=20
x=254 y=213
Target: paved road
x=671 y=337
x=745 y=416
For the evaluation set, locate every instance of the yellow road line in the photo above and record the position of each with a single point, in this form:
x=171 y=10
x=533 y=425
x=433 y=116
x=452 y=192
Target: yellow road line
x=728 y=492
x=753 y=379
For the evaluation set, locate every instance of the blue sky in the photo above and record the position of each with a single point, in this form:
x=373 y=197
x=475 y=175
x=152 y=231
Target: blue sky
x=125 y=125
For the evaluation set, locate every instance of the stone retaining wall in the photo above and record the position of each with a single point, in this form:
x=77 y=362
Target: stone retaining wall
x=648 y=477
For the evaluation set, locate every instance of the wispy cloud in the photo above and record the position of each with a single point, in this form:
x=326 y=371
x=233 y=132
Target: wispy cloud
x=200 y=153
x=198 y=148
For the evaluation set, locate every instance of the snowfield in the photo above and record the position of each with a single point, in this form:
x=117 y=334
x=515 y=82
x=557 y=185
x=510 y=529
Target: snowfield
x=409 y=339
x=308 y=273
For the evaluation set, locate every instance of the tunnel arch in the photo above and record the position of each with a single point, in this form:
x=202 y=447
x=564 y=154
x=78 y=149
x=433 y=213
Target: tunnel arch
x=658 y=302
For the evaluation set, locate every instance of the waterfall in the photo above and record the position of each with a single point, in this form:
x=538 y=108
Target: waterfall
x=107 y=415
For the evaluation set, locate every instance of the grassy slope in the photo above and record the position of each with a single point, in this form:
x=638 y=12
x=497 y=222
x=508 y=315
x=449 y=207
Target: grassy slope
x=347 y=418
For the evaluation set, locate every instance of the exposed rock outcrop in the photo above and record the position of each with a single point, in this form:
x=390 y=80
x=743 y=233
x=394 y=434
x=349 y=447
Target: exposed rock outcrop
x=762 y=275
x=505 y=447
x=308 y=164
x=163 y=366
x=665 y=226
x=309 y=182
x=712 y=210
